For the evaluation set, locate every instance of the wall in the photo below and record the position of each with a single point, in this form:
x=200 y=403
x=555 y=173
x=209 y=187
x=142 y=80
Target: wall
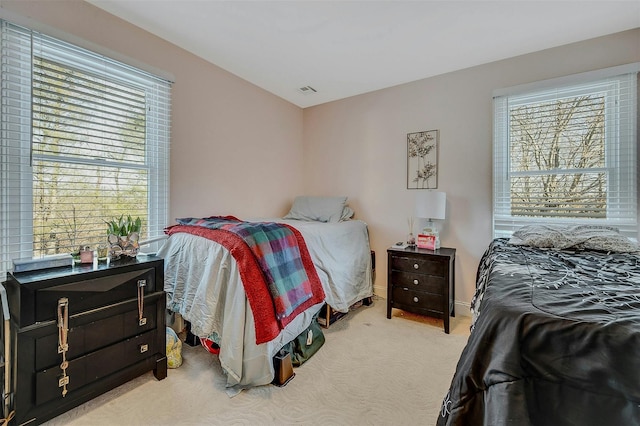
x=229 y=138
x=357 y=146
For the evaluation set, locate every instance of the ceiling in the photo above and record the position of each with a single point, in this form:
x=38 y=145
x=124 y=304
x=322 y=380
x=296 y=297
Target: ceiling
x=345 y=48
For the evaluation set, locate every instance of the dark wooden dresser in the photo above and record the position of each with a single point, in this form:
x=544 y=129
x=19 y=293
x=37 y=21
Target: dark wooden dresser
x=79 y=332
x=422 y=281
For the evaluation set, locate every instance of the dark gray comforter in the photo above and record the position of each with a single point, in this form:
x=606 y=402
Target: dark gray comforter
x=556 y=341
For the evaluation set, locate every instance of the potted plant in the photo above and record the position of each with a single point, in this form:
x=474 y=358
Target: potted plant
x=123 y=235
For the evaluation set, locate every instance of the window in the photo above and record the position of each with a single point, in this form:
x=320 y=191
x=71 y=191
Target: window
x=565 y=152
x=84 y=139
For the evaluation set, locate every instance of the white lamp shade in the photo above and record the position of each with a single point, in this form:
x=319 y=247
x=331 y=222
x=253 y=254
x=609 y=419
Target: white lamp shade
x=431 y=204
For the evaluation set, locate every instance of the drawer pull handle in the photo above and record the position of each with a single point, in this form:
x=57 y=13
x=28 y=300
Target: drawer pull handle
x=144 y=348
x=63 y=381
x=63 y=346
x=141 y=319
x=415 y=299
x=416 y=266
x=415 y=282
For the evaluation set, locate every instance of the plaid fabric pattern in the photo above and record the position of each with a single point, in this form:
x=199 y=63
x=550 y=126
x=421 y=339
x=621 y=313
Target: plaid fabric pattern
x=276 y=249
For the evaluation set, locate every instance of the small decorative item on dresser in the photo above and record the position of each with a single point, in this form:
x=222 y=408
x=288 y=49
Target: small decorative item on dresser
x=102 y=252
x=422 y=281
x=86 y=255
x=123 y=235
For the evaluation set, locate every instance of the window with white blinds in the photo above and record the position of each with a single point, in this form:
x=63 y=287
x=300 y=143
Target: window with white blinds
x=565 y=151
x=84 y=139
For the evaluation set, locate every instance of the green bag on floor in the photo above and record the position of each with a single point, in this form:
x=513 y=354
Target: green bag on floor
x=306 y=344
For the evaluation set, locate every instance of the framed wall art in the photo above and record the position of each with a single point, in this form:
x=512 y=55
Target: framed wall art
x=422 y=159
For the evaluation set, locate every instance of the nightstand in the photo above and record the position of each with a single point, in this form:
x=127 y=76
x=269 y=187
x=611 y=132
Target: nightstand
x=422 y=281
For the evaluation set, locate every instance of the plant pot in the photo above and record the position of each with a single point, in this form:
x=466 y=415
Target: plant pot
x=123 y=245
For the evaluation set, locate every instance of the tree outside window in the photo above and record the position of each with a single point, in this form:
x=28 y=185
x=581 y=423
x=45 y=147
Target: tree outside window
x=88 y=156
x=557 y=153
x=565 y=152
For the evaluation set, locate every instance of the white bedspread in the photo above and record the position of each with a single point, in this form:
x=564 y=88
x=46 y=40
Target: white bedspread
x=342 y=256
x=203 y=285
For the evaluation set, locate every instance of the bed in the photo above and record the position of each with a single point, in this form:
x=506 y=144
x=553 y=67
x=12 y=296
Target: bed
x=204 y=285
x=555 y=336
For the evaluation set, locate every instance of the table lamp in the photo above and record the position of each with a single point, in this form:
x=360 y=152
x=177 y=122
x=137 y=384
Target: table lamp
x=431 y=205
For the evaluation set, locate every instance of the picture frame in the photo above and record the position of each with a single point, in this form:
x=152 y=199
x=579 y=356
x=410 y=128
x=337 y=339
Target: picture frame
x=422 y=159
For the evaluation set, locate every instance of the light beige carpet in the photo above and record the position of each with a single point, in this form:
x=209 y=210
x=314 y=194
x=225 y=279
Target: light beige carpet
x=371 y=371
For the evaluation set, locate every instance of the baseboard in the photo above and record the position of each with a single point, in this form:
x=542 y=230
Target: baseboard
x=462 y=308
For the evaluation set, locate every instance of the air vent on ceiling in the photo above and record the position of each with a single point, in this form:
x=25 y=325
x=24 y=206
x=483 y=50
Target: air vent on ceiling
x=307 y=90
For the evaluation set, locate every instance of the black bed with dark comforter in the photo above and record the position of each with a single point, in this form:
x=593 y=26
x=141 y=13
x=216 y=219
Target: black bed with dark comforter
x=555 y=340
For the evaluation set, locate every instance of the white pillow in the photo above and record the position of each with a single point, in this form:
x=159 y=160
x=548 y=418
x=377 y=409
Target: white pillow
x=347 y=213
x=320 y=209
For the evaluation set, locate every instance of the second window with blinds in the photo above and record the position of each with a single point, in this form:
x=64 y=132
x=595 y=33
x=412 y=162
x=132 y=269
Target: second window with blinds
x=565 y=152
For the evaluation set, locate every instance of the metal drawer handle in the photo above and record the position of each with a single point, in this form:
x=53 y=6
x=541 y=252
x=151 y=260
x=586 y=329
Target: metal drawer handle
x=144 y=348
x=415 y=299
x=63 y=346
x=63 y=381
x=416 y=266
x=415 y=281
x=141 y=319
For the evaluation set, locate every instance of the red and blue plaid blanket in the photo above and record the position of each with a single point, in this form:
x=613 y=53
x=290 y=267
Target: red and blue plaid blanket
x=281 y=254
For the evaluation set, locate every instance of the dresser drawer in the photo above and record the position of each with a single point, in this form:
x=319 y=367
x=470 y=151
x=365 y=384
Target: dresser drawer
x=95 y=366
x=419 y=282
x=85 y=337
x=421 y=265
x=33 y=296
x=92 y=293
x=417 y=300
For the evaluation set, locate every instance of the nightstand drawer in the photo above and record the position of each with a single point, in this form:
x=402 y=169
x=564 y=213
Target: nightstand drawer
x=419 y=282
x=421 y=265
x=417 y=299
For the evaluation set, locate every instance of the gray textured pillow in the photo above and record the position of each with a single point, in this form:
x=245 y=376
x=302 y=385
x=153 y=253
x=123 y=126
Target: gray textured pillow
x=591 y=237
x=319 y=209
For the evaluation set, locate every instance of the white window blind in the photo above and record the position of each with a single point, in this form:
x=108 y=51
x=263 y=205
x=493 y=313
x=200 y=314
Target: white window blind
x=566 y=152
x=84 y=139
